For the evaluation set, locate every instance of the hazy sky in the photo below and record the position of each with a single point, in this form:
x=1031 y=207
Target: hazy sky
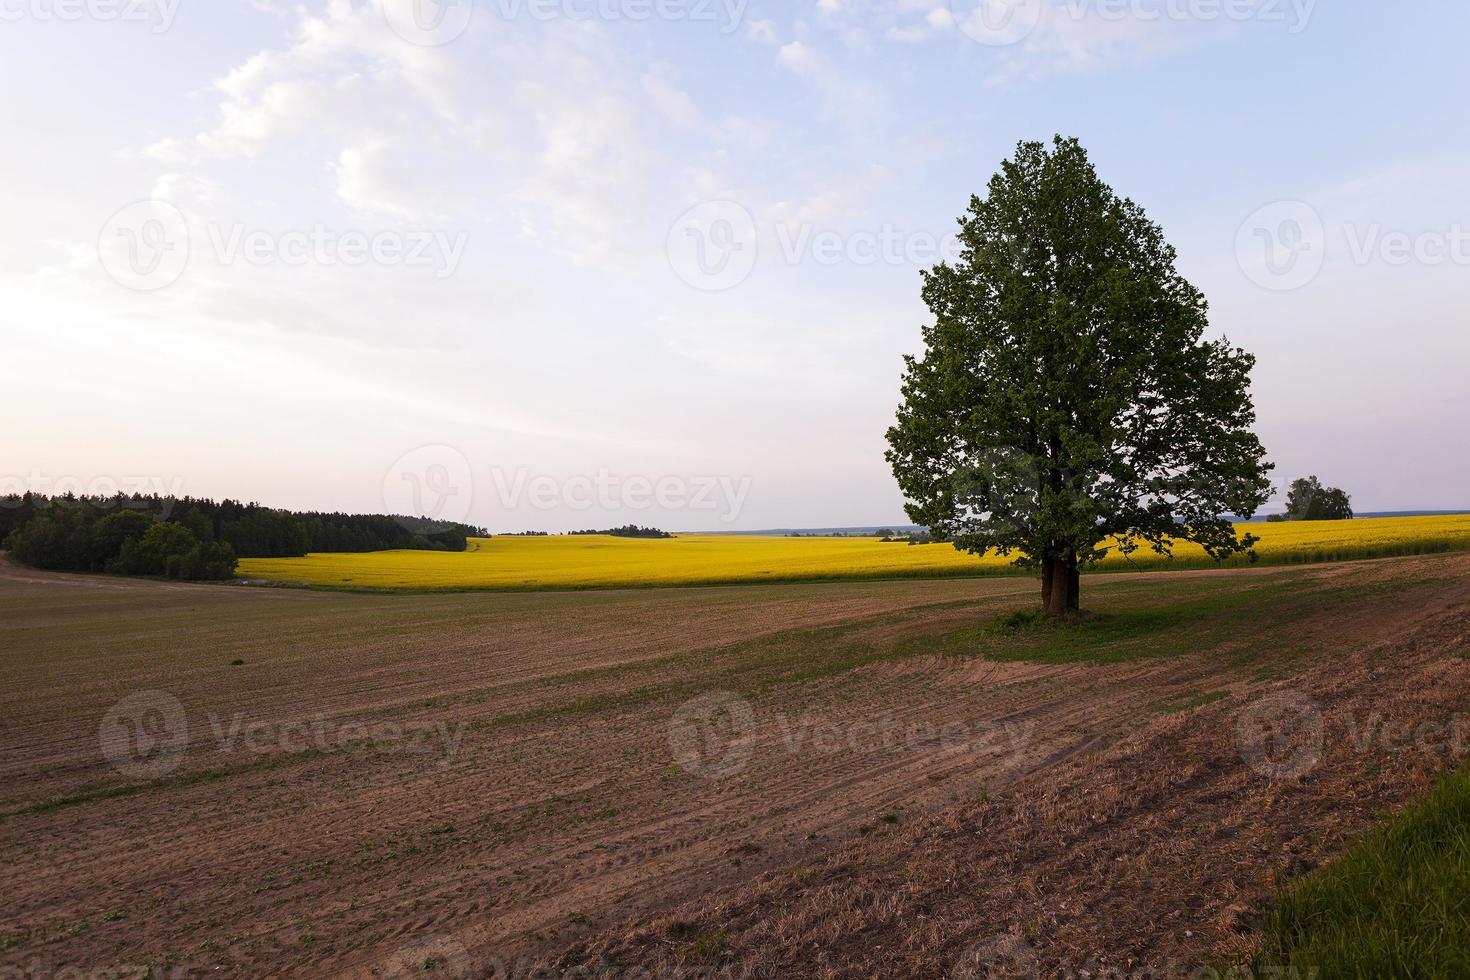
x=565 y=263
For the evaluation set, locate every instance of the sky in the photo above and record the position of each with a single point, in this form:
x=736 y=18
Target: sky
x=556 y=264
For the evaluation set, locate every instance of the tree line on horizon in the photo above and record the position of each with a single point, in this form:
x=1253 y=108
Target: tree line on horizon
x=195 y=538
x=627 y=531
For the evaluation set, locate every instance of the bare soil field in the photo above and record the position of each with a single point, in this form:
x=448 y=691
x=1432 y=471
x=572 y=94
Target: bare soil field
x=867 y=779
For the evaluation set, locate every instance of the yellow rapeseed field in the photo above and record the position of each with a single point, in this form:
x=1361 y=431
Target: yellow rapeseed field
x=594 y=561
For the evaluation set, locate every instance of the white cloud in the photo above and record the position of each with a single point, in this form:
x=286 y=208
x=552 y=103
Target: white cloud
x=673 y=102
x=764 y=31
x=369 y=178
x=800 y=57
x=1068 y=36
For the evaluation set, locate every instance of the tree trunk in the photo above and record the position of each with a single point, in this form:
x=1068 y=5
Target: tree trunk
x=1059 y=601
x=1061 y=586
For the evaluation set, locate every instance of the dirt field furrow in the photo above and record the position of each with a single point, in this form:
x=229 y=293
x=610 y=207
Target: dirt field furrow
x=533 y=777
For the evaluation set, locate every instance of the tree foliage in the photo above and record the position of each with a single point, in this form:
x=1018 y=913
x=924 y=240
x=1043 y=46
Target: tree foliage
x=194 y=538
x=1066 y=403
x=78 y=535
x=1308 y=500
x=630 y=531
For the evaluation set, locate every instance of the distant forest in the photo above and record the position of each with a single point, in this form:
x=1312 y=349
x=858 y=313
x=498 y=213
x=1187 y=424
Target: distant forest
x=189 y=538
x=630 y=531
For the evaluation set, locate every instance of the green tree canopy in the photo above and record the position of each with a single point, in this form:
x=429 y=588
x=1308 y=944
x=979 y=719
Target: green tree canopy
x=1065 y=397
x=1309 y=500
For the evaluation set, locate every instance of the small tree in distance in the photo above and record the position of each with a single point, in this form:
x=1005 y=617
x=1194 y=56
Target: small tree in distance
x=1065 y=403
x=1308 y=500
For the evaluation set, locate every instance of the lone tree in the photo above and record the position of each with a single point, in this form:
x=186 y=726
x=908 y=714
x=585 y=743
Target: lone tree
x=1065 y=404
x=1309 y=500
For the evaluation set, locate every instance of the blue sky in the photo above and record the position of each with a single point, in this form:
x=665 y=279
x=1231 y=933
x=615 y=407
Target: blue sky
x=531 y=336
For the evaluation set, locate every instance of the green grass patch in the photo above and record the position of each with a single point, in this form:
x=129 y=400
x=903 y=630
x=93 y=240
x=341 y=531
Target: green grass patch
x=1396 y=905
x=1104 y=637
x=1250 y=622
